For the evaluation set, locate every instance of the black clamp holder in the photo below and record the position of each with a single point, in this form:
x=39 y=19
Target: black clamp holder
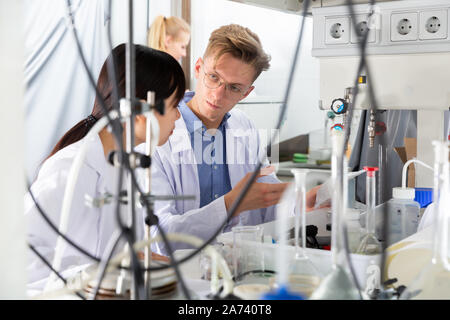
x=133 y=160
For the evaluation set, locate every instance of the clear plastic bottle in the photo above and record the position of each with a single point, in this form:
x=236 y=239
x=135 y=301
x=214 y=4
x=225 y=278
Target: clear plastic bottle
x=403 y=214
x=352 y=217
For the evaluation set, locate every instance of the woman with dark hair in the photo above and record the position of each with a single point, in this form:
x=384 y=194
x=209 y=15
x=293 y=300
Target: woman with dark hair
x=91 y=228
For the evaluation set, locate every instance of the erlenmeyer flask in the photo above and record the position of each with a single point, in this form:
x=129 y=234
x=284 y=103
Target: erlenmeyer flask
x=304 y=277
x=369 y=244
x=338 y=284
x=433 y=282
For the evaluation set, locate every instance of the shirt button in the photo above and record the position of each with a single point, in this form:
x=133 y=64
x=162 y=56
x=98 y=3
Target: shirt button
x=216 y=196
x=215 y=167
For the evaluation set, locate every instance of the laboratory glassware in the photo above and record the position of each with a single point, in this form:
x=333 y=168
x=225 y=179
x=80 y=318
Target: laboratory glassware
x=304 y=277
x=247 y=250
x=369 y=244
x=354 y=229
x=433 y=282
x=338 y=284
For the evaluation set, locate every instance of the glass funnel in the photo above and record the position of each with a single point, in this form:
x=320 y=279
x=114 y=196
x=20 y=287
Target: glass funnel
x=338 y=284
x=369 y=244
x=304 y=277
x=433 y=282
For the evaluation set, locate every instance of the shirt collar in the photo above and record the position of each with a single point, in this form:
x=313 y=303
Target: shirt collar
x=95 y=157
x=189 y=116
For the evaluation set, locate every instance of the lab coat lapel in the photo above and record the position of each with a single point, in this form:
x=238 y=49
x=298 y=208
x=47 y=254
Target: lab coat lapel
x=236 y=149
x=95 y=159
x=185 y=165
x=106 y=183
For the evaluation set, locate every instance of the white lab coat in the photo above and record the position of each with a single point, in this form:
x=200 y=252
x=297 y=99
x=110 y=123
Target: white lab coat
x=174 y=172
x=91 y=228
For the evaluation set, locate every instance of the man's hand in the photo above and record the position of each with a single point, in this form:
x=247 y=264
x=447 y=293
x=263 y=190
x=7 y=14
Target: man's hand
x=260 y=195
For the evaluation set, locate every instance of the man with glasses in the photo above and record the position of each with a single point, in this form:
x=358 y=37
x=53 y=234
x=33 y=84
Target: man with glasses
x=215 y=147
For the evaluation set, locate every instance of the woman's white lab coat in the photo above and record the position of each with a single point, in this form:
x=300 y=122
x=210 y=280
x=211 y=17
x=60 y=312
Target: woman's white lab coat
x=89 y=227
x=174 y=172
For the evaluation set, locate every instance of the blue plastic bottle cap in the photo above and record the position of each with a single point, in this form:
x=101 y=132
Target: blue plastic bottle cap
x=424 y=196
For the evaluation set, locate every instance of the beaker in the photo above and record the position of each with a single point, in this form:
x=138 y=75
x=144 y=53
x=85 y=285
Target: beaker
x=205 y=261
x=319 y=148
x=338 y=284
x=304 y=277
x=433 y=282
x=369 y=244
x=248 y=255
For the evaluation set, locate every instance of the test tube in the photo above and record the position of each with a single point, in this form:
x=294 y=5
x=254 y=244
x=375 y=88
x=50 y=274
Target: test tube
x=440 y=200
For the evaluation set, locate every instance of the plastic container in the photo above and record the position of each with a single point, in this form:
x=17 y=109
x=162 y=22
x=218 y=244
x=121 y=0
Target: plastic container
x=352 y=217
x=403 y=214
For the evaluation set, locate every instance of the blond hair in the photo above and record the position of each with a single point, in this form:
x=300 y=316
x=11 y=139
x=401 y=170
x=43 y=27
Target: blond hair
x=241 y=43
x=163 y=27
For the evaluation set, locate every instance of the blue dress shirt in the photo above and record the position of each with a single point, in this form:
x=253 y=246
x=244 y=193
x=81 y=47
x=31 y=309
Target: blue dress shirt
x=210 y=154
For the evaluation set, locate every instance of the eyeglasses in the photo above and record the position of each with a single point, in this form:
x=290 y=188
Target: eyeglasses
x=213 y=81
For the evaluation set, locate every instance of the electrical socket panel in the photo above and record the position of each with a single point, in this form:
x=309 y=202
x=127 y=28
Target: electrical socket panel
x=398 y=27
x=337 y=30
x=363 y=25
x=433 y=24
x=404 y=26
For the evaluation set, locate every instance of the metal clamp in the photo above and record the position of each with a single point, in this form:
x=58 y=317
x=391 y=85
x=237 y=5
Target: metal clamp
x=107 y=198
x=139 y=107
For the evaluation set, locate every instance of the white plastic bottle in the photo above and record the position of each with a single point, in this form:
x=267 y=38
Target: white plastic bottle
x=403 y=213
x=354 y=233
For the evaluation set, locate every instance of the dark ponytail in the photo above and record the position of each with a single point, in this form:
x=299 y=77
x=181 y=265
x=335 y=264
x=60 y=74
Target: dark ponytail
x=76 y=133
x=155 y=71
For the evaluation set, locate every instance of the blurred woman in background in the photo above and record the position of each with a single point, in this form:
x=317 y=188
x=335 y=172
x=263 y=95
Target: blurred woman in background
x=171 y=35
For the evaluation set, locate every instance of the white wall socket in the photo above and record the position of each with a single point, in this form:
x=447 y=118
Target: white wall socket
x=404 y=26
x=337 y=30
x=399 y=27
x=362 y=25
x=433 y=24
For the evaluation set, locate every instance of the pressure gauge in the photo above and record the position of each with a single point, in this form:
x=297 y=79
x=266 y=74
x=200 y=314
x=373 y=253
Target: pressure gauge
x=339 y=106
